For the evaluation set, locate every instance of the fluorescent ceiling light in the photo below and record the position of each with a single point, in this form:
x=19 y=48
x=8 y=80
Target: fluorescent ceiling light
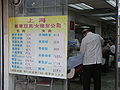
x=76 y=24
x=112 y=2
x=81 y=6
x=84 y=6
x=85 y=27
x=74 y=6
x=118 y=11
x=107 y=18
x=114 y=22
x=104 y=14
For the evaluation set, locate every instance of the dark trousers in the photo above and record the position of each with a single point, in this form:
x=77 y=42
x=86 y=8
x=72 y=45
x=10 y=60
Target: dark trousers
x=92 y=71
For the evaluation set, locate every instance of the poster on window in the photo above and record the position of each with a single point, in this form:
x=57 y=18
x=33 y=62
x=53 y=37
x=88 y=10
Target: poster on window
x=38 y=46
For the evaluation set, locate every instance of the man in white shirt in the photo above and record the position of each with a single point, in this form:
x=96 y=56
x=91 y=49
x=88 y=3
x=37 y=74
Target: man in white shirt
x=91 y=50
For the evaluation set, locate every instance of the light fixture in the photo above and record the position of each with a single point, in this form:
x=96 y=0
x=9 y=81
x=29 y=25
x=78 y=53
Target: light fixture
x=118 y=12
x=112 y=2
x=81 y=6
x=107 y=18
x=114 y=22
x=85 y=27
x=74 y=6
x=76 y=24
x=84 y=6
x=104 y=14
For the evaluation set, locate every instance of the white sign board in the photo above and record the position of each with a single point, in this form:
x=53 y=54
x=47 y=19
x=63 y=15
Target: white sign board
x=38 y=46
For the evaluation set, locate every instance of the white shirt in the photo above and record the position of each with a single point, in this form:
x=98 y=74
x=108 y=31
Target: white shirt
x=91 y=49
x=112 y=49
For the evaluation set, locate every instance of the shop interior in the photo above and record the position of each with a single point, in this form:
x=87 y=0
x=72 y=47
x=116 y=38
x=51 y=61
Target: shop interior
x=100 y=16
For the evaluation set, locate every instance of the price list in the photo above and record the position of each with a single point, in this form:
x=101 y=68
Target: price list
x=17 y=54
x=38 y=46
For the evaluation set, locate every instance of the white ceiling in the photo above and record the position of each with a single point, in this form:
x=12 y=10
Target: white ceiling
x=100 y=7
x=94 y=3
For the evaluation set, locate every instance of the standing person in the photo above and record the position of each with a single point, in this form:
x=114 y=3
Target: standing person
x=91 y=50
x=106 y=54
x=112 y=52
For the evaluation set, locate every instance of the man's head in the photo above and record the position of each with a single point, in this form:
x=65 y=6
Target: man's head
x=85 y=30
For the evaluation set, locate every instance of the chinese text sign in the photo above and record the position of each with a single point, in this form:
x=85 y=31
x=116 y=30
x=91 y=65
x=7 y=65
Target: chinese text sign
x=38 y=46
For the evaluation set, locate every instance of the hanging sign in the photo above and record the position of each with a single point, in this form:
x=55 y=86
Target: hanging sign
x=38 y=46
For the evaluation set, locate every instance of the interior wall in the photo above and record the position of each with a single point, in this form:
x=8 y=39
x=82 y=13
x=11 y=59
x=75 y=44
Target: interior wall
x=102 y=28
x=75 y=16
x=71 y=33
x=108 y=30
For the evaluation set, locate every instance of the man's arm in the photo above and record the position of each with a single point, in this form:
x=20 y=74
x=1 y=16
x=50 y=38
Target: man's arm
x=82 y=48
x=101 y=39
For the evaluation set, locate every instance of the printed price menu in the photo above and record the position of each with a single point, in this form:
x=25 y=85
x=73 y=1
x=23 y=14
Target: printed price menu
x=38 y=46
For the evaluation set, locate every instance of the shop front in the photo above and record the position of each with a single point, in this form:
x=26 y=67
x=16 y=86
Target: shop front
x=35 y=37
x=35 y=44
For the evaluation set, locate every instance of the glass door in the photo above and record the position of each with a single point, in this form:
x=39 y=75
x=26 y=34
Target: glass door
x=37 y=34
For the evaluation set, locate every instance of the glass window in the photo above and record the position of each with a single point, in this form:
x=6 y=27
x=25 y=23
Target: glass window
x=26 y=8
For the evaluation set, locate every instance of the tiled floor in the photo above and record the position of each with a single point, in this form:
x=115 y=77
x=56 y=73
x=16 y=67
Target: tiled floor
x=108 y=82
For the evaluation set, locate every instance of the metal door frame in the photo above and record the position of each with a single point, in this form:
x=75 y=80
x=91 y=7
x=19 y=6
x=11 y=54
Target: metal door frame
x=1 y=48
x=5 y=76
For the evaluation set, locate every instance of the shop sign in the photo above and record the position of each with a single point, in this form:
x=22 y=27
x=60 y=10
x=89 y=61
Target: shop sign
x=38 y=46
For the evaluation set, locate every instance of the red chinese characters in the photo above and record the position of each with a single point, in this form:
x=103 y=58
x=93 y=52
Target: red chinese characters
x=42 y=20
